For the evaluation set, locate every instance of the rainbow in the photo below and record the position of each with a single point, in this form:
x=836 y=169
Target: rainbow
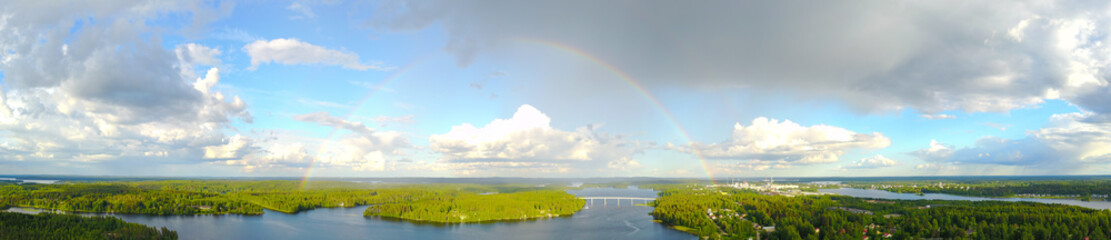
x=549 y=44
x=332 y=134
x=629 y=80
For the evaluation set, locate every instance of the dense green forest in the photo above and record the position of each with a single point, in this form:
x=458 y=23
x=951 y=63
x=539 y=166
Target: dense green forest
x=189 y=197
x=199 y=197
x=112 y=197
x=62 y=226
x=737 y=214
x=458 y=207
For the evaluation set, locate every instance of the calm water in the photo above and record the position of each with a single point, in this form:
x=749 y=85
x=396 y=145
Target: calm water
x=596 y=222
x=881 y=194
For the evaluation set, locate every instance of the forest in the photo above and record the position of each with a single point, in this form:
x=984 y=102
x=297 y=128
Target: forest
x=120 y=198
x=64 y=226
x=465 y=202
x=189 y=197
x=463 y=207
x=738 y=214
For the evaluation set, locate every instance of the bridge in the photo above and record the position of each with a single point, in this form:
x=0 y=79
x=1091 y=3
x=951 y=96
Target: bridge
x=605 y=200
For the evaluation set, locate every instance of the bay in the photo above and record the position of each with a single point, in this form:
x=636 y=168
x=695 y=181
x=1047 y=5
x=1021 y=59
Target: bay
x=595 y=221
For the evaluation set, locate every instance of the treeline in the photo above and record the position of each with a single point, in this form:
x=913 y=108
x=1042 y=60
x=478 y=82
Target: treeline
x=734 y=214
x=295 y=201
x=193 y=197
x=60 y=226
x=119 y=198
x=291 y=196
x=460 y=207
x=1059 y=188
x=1082 y=189
x=245 y=186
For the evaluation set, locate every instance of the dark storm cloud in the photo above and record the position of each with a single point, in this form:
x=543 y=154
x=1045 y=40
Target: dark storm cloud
x=876 y=55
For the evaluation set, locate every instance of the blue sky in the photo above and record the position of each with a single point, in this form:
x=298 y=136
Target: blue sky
x=554 y=89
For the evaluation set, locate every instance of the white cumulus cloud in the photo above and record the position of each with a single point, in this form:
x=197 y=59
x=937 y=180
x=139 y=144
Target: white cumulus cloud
x=526 y=135
x=273 y=157
x=877 y=161
x=366 y=149
x=787 y=142
x=526 y=141
x=52 y=125
x=937 y=151
x=1069 y=144
x=236 y=147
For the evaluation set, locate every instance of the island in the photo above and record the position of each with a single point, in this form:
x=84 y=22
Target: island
x=463 y=207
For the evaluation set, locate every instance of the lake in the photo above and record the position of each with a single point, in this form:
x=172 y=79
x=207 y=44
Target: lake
x=881 y=194
x=595 y=222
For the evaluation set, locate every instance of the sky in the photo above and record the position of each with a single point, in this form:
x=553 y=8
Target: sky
x=573 y=88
